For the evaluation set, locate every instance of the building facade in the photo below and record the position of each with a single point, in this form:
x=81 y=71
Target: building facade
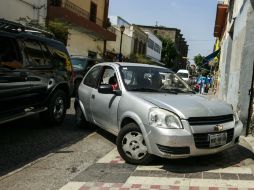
x=24 y=10
x=87 y=21
x=234 y=28
x=176 y=37
x=134 y=39
x=154 y=47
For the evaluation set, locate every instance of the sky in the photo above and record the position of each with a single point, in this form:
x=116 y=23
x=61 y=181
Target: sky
x=195 y=19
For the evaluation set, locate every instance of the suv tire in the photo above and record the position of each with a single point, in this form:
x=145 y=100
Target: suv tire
x=57 y=106
x=127 y=136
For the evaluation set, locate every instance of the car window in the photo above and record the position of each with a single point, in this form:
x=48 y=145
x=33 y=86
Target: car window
x=78 y=63
x=109 y=78
x=9 y=56
x=91 y=78
x=137 y=78
x=34 y=54
x=60 y=59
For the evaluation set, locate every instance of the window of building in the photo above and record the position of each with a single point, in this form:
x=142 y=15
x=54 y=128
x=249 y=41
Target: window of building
x=150 y=43
x=93 y=12
x=136 y=46
x=157 y=48
x=56 y=3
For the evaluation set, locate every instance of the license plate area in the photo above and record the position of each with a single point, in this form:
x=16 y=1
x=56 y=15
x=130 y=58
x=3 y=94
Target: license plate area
x=218 y=139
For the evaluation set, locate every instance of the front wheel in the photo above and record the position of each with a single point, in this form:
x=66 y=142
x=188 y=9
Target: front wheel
x=57 y=106
x=131 y=145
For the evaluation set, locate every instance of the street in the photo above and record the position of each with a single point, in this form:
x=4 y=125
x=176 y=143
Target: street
x=34 y=156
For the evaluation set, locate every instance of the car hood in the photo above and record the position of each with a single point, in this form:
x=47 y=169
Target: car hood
x=187 y=105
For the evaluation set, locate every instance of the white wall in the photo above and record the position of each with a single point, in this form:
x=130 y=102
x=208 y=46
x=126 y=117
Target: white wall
x=15 y=9
x=114 y=46
x=79 y=43
x=150 y=52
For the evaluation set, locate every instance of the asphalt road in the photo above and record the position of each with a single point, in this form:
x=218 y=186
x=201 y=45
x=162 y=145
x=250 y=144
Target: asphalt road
x=27 y=139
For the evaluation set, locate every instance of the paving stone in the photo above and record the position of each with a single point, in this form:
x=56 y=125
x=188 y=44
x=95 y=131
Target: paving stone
x=229 y=176
x=209 y=175
x=246 y=177
x=158 y=174
x=109 y=167
x=141 y=173
x=174 y=175
x=114 y=177
x=194 y=175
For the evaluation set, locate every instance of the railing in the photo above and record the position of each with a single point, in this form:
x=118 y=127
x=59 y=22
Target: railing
x=80 y=12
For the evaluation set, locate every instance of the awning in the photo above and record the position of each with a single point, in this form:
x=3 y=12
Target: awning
x=212 y=55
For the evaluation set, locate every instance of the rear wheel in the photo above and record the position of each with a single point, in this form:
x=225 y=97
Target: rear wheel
x=57 y=106
x=131 y=145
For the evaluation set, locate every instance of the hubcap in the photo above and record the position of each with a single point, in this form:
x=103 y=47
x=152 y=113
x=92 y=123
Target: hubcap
x=59 y=108
x=134 y=146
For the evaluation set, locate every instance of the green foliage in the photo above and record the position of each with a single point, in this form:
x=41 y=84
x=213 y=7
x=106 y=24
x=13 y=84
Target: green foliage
x=168 y=53
x=137 y=58
x=59 y=29
x=198 y=59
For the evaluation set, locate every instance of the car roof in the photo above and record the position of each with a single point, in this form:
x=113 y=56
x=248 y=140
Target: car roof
x=126 y=64
x=182 y=71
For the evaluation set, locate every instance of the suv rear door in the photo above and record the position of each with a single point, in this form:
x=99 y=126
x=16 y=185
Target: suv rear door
x=14 y=82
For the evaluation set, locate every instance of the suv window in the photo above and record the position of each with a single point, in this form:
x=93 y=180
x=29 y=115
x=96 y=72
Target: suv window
x=34 y=54
x=92 y=77
x=9 y=56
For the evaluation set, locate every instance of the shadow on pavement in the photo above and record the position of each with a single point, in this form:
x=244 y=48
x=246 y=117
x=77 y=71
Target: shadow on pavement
x=233 y=157
x=27 y=139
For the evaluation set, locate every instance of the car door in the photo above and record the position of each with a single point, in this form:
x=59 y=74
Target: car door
x=14 y=82
x=86 y=88
x=40 y=69
x=104 y=107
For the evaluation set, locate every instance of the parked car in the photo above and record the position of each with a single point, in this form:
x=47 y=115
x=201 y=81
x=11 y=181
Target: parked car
x=35 y=74
x=151 y=116
x=184 y=74
x=81 y=65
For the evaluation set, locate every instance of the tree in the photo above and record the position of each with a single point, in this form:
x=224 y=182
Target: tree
x=59 y=29
x=199 y=59
x=168 y=53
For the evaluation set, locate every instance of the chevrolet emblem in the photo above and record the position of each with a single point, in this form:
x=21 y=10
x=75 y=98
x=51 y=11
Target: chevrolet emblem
x=218 y=128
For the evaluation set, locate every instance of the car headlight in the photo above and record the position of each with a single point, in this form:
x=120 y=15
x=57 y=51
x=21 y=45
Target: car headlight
x=164 y=119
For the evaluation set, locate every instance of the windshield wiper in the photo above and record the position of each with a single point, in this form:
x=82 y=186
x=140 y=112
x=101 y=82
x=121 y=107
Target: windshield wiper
x=144 y=90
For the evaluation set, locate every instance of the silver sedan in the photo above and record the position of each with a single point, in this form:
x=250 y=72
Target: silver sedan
x=154 y=112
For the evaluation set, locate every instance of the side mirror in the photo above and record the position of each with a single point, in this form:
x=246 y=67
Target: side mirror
x=105 y=89
x=108 y=89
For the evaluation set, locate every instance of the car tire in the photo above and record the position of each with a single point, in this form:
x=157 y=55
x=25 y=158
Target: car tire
x=57 y=106
x=131 y=145
x=80 y=119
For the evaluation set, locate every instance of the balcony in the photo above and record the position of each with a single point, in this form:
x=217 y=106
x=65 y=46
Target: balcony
x=221 y=18
x=69 y=12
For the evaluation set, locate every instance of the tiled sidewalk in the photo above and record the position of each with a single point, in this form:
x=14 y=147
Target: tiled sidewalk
x=225 y=172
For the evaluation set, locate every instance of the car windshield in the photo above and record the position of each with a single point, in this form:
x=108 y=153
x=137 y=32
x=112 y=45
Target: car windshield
x=152 y=79
x=183 y=75
x=78 y=63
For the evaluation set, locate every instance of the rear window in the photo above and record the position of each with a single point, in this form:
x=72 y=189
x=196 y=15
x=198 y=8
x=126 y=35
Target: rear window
x=79 y=64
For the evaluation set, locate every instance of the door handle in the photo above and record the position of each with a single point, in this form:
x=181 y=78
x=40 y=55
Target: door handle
x=93 y=96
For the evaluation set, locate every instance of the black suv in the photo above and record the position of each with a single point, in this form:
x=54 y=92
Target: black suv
x=81 y=65
x=36 y=74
